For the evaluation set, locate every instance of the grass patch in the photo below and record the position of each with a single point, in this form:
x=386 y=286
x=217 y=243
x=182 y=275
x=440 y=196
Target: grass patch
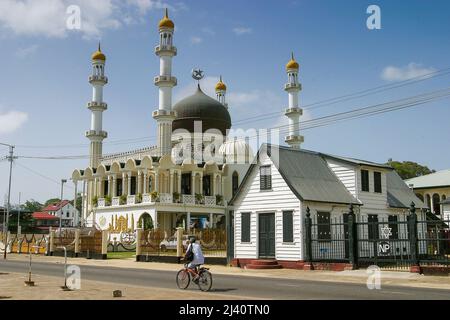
x=121 y=255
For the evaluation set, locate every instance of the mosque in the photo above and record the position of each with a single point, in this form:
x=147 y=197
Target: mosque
x=189 y=177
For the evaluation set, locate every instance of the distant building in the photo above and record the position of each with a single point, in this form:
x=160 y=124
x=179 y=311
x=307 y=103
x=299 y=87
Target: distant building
x=70 y=215
x=433 y=189
x=43 y=221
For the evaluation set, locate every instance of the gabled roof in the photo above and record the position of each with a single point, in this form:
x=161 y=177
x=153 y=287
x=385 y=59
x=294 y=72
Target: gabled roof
x=399 y=195
x=307 y=175
x=56 y=206
x=437 y=179
x=357 y=161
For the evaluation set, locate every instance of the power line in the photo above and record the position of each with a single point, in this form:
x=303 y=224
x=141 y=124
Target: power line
x=41 y=175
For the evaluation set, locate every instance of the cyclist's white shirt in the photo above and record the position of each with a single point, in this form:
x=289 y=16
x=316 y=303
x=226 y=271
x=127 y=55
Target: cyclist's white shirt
x=198 y=254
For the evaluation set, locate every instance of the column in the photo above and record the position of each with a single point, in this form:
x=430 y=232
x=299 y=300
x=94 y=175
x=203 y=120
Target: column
x=179 y=181
x=156 y=181
x=222 y=191
x=83 y=203
x=139 y=182
x=211 y=219
x=201 y=183
x=213 y=189
x=431 y=204
x=75 y=218
x=193 y=184
x=94 y=188
x=110 y=186
x=188 y=221
x=144 y=191
x=114 y=188
x=124 y=184
x=129 y=183
x=171 y=182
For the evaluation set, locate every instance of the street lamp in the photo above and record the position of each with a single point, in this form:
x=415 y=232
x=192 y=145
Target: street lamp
x=60 y=212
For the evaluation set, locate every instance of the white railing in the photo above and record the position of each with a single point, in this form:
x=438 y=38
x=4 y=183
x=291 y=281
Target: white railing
x=210 y=201
x=101 y=203
x=115 y=201
x=188 y=199
x=146 y=198
x=165 y=198
x=131 y=200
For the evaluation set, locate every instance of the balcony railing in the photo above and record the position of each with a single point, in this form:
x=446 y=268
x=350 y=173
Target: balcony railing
x=163 y=48
x=162 y=198
x=98 y=79
x=115 y=201
x=292 y=85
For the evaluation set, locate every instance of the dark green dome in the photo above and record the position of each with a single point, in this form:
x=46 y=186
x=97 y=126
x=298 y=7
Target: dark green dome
x=201 y=107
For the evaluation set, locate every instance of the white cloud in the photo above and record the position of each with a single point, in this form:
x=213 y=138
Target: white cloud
x=412 y=70
x=49 y=17
x=241 y=31
x=11 y=121
x=27 y=51
x=196 y=40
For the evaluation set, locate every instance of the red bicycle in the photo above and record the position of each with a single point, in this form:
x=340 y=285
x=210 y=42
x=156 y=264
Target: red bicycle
x=204 y=280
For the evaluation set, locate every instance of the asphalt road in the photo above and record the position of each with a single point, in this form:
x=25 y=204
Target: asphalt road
x=239 y=286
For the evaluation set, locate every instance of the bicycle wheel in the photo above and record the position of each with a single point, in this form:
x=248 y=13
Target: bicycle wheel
x=205 y=280
x=183 y=279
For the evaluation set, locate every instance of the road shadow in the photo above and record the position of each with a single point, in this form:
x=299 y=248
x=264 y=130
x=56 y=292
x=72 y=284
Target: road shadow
x=222 y=289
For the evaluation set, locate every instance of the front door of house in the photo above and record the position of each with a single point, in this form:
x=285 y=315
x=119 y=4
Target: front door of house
x=267 y=236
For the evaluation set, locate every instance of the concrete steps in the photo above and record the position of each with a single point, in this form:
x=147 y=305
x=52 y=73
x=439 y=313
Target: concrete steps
x=263 y=264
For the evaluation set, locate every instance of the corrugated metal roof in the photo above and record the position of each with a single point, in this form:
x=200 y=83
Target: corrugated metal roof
x=358 y=161
x=398 y=193
x=437 y=179
x=309 y=176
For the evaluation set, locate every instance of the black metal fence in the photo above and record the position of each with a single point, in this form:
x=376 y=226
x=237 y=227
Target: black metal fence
x=397 y=242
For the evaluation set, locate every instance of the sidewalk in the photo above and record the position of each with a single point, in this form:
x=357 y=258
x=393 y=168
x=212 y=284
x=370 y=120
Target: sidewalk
x=351 y=276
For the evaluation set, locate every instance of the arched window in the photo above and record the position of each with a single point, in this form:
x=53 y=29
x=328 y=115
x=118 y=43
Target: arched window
x=418 y=195
x=145 y=221
x=428 y=201
x=444 y=197
x=436 y=204
x=235 y=182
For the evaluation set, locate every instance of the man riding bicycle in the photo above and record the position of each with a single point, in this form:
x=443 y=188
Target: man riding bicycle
x=194 y=256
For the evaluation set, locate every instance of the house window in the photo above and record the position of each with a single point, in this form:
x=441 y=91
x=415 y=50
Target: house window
x=288 y=226
x=245 y=227
x=207 y=185
x=265 y=178
x=393 y=224
x=235 y=182
x=373 y=227
x=365 y=180
x=377 y=182
x=186 y=183
x=323 y=226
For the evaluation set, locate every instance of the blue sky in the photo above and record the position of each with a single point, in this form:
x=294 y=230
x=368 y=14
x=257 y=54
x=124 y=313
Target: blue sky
x=44 y=69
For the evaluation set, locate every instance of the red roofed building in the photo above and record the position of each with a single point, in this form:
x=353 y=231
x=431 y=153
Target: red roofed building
x=44 y=220
x=70 y=215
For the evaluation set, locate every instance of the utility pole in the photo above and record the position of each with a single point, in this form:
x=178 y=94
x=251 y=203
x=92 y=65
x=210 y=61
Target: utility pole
x=60 y=209
x=18 y=219
x=8 y=205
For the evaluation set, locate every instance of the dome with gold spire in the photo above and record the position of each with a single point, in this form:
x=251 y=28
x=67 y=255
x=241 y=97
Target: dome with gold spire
x=166 y=22
x=292 y=64
x=98 y=55
x=220 y=86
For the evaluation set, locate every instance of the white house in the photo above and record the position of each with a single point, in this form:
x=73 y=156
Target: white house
x=69 y=214
x=271 y=203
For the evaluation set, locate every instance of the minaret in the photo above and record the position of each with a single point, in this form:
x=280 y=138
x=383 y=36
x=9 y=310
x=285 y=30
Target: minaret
x=165 y=82
x=221 y=90
x=293 y=112
x=98 y=80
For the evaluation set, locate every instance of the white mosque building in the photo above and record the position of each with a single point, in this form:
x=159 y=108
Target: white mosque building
x=187 y=178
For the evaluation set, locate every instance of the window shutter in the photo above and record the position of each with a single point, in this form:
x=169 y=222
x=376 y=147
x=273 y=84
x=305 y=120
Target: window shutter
x=245 y=227
x=288 y=226
x=265 y=178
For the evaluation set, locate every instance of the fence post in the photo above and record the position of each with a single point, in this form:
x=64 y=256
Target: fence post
x=352 y=238
x=179 y=243
x=308 y=241
x=77 y=242
x=413 y=241
x=139 y=243
x=52 y=242
x=104 y=244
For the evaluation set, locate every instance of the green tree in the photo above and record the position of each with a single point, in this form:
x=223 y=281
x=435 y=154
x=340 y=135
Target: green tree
x=31 y=206
x=409 y=169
